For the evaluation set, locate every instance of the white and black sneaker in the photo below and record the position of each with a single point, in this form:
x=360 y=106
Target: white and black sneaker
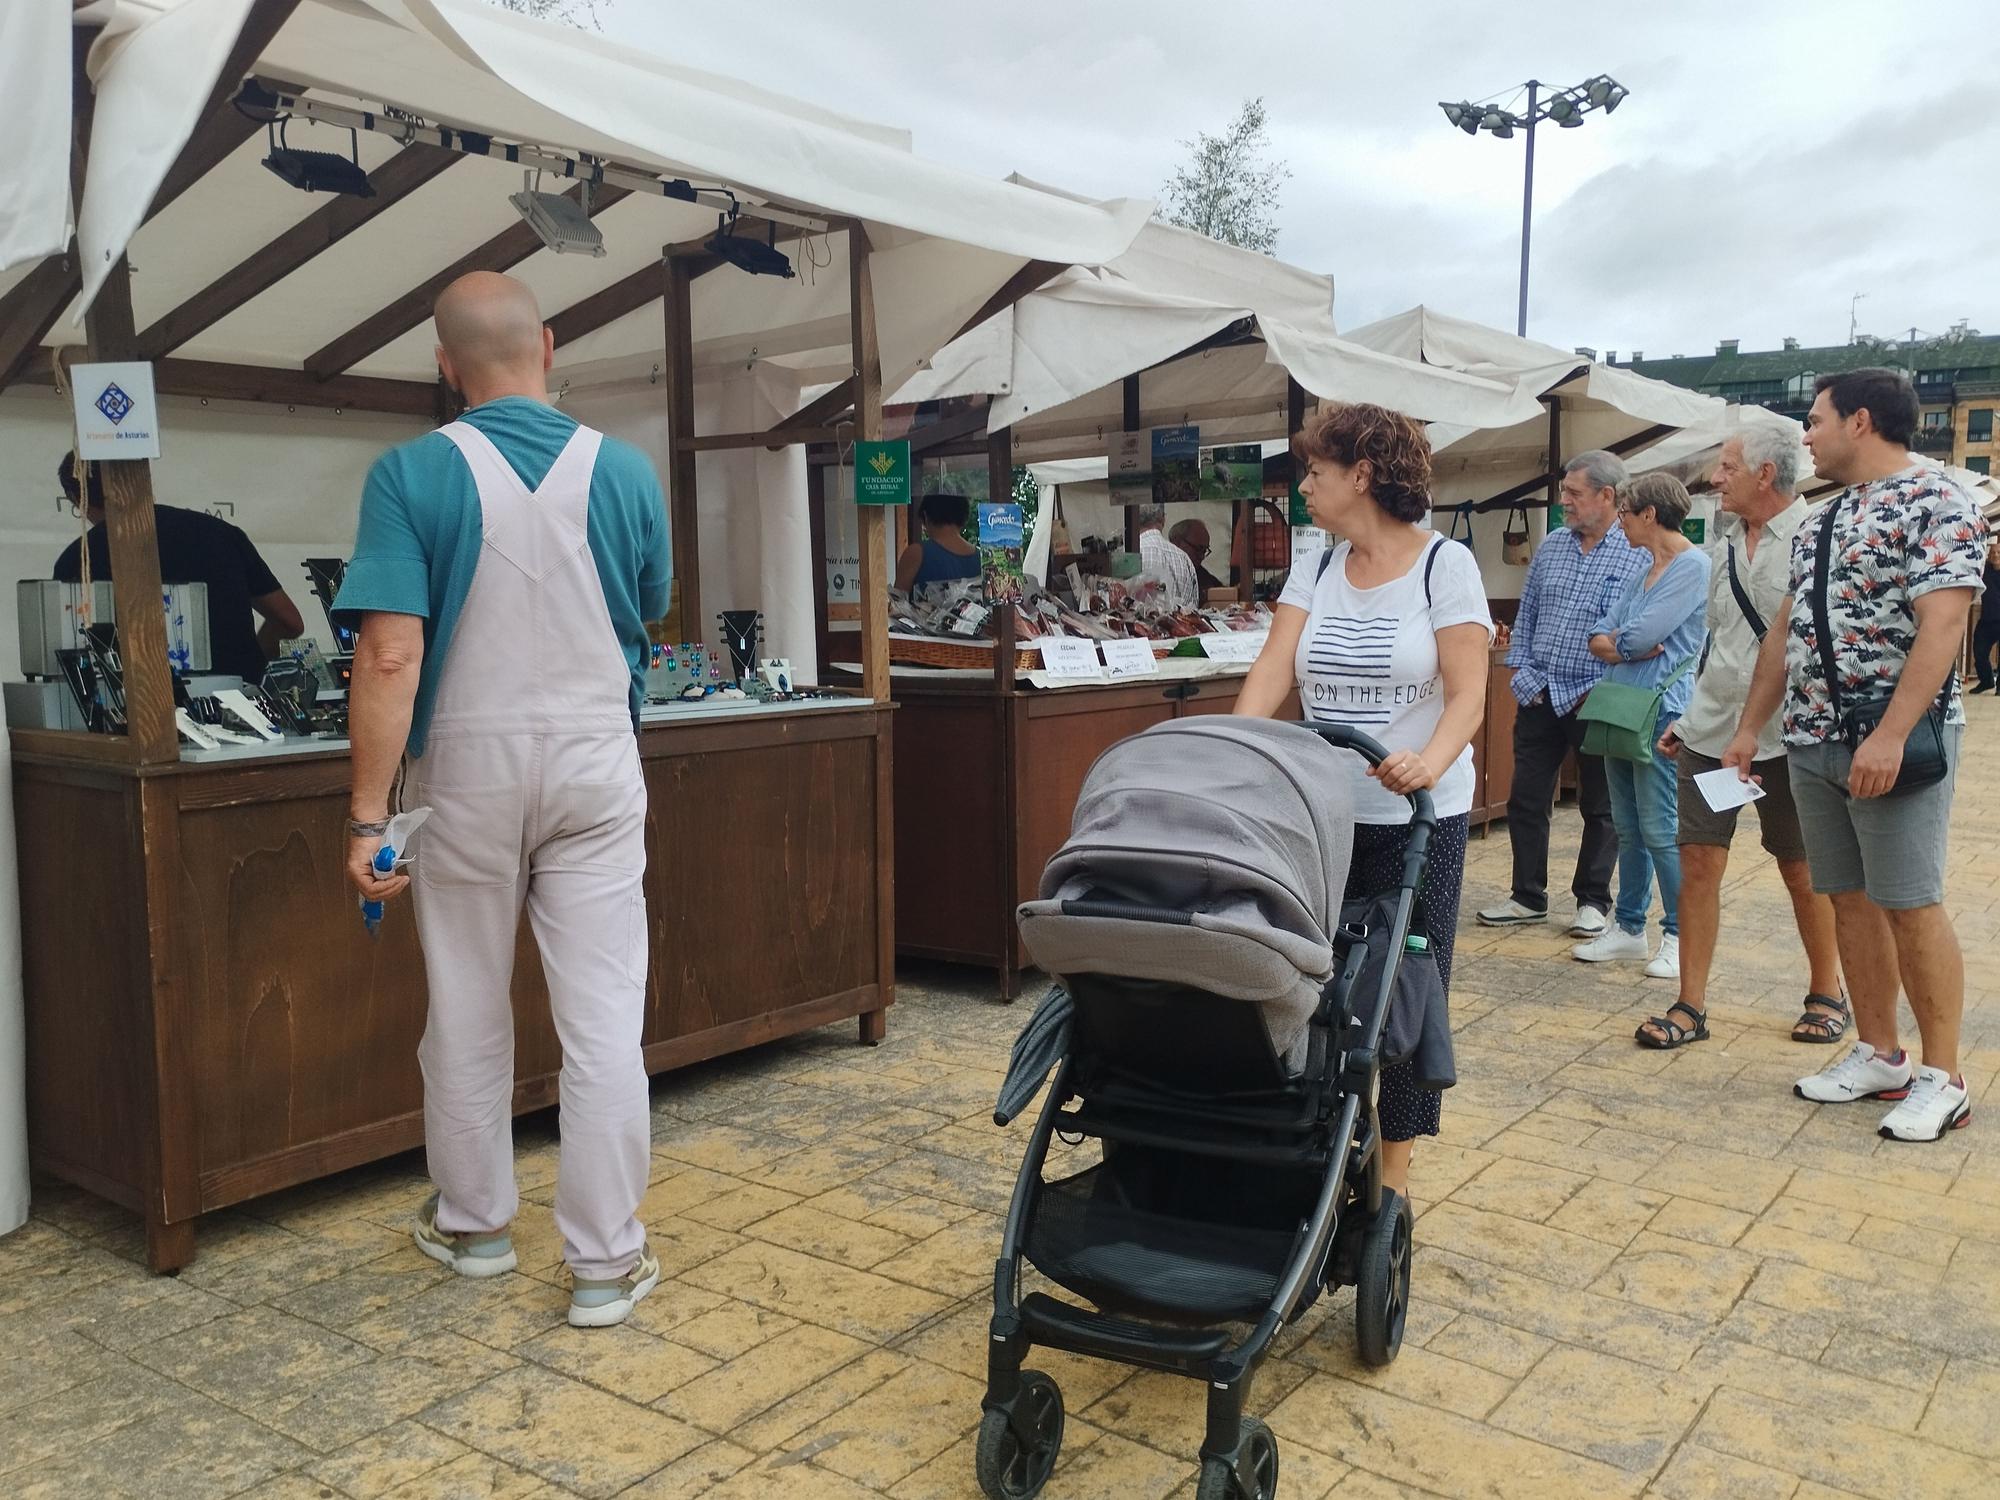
x=1510 y=913
x=1937 y=1104
x=1861 y=1074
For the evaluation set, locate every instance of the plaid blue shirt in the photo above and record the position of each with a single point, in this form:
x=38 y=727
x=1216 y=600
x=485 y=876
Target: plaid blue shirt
x=1567 y=593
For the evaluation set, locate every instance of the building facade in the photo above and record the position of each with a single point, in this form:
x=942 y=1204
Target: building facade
x=1957 y=376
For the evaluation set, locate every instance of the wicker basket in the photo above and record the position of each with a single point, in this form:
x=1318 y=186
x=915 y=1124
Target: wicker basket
x=925 y=651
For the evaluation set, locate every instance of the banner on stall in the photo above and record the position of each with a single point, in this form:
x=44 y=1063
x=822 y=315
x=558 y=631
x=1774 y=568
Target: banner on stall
x=117 y=414
x=1233 y=473
x=882 y=473
x=1001 y=536
x=1176 y=465
x=1128 y=468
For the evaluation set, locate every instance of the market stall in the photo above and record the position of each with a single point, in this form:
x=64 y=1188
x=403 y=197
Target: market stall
x=205 y=1018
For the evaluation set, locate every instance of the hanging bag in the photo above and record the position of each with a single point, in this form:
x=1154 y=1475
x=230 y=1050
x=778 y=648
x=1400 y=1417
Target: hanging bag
x=1619 y=718
x=1461 y=514
x=1924 y=762
x=1514 y=548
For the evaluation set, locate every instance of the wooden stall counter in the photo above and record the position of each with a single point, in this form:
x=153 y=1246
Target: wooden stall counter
x=207 y=1020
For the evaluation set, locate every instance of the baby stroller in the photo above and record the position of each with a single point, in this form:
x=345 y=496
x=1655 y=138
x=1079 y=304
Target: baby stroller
x=1241 y=1171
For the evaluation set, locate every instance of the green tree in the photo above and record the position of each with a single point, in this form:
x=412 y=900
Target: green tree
x=578 y=13
x=1228 y=189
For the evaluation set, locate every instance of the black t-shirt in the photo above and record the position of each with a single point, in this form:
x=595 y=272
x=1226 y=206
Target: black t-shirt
x=198 y=548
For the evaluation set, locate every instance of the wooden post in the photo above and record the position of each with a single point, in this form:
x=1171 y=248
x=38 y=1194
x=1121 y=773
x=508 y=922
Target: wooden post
x=868 y=428
x=999 y=489
x=134 y=553
x=816 y=490
x=1555 y=454
x=683 y=510
x=871 y=524
x=1131 y=424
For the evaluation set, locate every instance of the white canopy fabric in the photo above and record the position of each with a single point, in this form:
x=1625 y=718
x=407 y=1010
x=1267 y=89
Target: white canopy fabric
x=1053 y=364
x=34 y=121
x=944 y=239
x=1600 y=405
x=1690 y=455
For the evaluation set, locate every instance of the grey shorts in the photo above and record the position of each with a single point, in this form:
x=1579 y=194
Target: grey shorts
x=1891 y=847
x=1777 y=814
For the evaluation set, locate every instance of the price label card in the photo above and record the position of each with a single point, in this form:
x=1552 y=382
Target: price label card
x=1129 y=658
x=1233 y=645
x=1070 y=656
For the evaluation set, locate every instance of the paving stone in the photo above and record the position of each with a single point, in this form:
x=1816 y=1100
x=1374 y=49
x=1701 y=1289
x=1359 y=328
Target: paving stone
x=734 y=1328
x=1722 y=1178
x=625 y=1361
x=1865 y=1460
x=254 y=1361
x=474 y=1477
x=1678 y=1276
x=1526 y=1190
x=1514 y=1244
x=1892 y=1361
x=812 y=1231
x=572 y=1436
x=897 y=1427
x=728 y=1396
x=859 y=1303
x=1602 y=1408
x=1697 y=1473
x=695 y=1474
x=194 y=1449
x=1797 y=1382
x=1607 y=1324
x=739 y=1207
x=1489 y=1345
x=374 y=1466
x=1706 y=1223
x=1965 y=1413
x=1613 y=1212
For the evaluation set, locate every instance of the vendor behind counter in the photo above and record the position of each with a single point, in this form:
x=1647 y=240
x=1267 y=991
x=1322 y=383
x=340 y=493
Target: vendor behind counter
x=198 y=548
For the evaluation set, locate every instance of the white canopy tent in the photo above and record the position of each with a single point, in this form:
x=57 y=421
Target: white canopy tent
x=247 y=291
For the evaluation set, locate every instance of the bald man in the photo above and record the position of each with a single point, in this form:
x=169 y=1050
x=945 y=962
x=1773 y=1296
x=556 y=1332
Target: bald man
x=502 y=577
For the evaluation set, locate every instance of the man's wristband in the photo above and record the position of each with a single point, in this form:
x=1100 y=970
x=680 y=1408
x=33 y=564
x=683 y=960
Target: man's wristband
x=367 y=830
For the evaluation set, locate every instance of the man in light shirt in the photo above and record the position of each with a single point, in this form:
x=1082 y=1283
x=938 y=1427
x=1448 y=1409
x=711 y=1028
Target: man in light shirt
x=1756 y=480
x=1161 y=559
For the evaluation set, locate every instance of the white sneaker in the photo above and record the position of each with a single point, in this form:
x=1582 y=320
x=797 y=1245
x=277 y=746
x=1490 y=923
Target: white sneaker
x=1612 y=944
x=1861 y=1074
x=1588 y=923
x=1666 y=963
x=1510 y=913
x=1935 y=1105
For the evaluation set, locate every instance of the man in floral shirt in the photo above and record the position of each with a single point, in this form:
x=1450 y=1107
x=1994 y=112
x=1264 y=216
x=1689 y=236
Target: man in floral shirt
x=1907 y=547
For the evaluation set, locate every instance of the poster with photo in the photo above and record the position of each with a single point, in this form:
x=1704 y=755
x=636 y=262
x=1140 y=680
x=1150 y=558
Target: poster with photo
x=1001 y=538
x=1176 y=465
x=1233 y=473
x=1128 y=468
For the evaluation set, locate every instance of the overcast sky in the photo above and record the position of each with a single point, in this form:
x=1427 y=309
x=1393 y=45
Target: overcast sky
x=1773 y=158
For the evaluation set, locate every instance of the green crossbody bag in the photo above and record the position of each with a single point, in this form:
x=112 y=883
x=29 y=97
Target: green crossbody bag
x=1619 y=718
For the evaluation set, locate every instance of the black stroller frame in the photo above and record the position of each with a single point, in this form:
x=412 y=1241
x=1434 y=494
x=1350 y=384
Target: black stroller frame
x=1357 y=1232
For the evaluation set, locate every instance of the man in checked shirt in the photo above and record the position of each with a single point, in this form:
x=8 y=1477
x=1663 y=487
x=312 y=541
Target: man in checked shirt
x=1578 y=570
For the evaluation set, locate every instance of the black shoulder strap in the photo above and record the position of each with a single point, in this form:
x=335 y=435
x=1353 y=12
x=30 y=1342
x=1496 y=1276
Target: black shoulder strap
x=1822 y=625
x=1757 y=626
x=1430 y=561
x=1325 y=562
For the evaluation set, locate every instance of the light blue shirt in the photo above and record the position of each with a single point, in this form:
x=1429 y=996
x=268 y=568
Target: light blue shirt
x=1672 y=613
x=1567 y=590
x=419 y=537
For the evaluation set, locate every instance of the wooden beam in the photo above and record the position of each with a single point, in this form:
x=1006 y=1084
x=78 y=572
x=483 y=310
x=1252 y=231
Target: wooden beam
x=868 y=428
x=1032 y=277
x=134 y=552
x=1555 y=453
x=503 y=252
x=683 y=511
x=814 y=414
x=216 y=381
x=1554 y=472
x=320 y=230
x=607 y=305
x=713 y=442
x=817 y=476
x=959 y=425
x=31 y=308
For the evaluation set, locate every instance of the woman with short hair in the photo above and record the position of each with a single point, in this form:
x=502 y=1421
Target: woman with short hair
x=1387 y=632
x=944 y=554
x=1651 y=636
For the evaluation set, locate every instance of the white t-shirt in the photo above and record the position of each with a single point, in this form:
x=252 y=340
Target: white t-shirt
x=1368 y=658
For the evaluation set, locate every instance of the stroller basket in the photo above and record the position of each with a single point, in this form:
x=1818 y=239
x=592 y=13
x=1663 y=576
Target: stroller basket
x=1086 y=1235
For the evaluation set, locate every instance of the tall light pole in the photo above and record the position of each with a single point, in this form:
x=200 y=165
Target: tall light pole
x=1566 y=107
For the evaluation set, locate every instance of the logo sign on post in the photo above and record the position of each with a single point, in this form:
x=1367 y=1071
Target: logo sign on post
x=1695 y=529
x=882 y=473
x=117 y=415
x=1070 y=656
x=1129 y=657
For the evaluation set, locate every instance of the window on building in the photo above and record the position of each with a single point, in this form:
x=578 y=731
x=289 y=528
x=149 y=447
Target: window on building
x=1980 y=465
x=1937 y=419
x=1979 y=425
x=1800 y=387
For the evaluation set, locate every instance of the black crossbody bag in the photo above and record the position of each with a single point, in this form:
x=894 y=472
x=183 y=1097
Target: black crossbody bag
x=1924 y=763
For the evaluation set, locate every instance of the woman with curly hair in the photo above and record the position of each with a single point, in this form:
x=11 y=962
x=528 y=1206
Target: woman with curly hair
x=1387 y=632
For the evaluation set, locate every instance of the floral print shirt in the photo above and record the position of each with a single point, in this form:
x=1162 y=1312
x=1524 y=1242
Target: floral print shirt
x=1894 y=540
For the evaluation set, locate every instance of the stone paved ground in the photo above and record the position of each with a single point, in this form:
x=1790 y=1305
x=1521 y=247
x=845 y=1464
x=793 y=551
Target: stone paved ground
x=1638 y=1273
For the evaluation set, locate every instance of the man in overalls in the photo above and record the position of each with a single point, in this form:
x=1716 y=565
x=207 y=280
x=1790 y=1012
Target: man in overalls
x=501 y=580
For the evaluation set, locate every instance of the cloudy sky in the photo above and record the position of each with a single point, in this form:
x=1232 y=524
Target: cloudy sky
x=1773 y=158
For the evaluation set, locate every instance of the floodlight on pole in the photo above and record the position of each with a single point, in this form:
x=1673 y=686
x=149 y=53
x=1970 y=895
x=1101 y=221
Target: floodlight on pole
x=1566 y=107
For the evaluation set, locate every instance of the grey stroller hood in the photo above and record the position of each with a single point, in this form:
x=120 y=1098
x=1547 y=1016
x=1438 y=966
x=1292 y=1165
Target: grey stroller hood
x=1244 y=826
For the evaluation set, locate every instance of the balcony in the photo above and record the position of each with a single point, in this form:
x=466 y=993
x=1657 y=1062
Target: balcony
x=1932 y=440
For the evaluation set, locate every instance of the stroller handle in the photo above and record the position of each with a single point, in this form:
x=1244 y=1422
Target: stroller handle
x=1423 y=814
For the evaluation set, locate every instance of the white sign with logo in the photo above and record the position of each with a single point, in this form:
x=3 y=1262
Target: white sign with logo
x=1129 y=658
x=117 y=415
x=1070 y=656
x=1233 y=645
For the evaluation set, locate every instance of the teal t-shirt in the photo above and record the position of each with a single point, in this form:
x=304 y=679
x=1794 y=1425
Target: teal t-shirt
x=419 y=537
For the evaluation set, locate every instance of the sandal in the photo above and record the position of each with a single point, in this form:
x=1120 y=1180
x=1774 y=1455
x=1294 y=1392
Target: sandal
x=1672 y=1033
x=1822 y=1026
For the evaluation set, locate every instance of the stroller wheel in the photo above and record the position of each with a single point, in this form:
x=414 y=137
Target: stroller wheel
x=1018 y=1444
x=1382 y=1289
x=1256 y=1464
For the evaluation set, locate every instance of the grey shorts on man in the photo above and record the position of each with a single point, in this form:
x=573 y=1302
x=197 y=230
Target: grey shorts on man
x=1892 y=847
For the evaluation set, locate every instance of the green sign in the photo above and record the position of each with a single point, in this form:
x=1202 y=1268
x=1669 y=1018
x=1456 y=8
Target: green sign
x=1556 y=516
x=1299 y=516
x=882 y=473
x=1695 y=529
